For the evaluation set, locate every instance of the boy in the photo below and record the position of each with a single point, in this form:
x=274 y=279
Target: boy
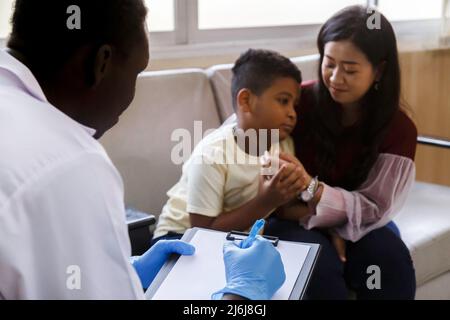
x=221 y=186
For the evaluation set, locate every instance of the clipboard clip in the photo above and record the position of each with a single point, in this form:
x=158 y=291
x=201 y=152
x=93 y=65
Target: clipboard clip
x=238 y=235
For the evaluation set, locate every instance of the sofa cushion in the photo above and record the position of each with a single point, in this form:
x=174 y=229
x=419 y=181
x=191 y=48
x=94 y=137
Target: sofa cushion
x=140 y=144
x=424 y=223
x=308 y=65
x=220 y=76
x=436 y=288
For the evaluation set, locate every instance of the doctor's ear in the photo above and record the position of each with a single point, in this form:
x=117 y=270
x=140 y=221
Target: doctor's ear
x=245 y=99
x=102 y=63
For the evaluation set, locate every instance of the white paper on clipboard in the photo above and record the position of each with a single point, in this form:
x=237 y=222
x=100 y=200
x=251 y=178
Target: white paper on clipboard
x=197 y=277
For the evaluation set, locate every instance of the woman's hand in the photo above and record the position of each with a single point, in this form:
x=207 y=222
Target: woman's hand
x=281 y=188
x=339 y=245
x=285 y=158
x=290 y=162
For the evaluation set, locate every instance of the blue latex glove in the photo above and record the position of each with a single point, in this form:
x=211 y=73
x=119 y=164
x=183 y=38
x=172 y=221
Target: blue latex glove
x=255 y=273
x=148 y=265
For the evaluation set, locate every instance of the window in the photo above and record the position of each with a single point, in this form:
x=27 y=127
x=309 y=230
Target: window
x=224 y=14
x=398 y=10
x=161 y=15
x=234 y=20
x=176 y=22
x=5 y=15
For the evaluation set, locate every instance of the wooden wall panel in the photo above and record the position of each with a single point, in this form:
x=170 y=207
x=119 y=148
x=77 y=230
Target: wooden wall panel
x=426 y=89
x=433 y=165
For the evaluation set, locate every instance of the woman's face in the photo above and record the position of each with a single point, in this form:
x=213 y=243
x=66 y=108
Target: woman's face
x=346 y=72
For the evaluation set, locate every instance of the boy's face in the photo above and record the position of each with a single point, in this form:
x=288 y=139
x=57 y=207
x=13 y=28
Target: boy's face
x=275 y=107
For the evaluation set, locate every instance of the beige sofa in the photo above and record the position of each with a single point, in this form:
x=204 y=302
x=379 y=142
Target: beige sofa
x=142 y=143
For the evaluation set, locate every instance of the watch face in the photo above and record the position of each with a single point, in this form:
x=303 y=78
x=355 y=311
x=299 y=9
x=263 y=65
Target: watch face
x=306 y=196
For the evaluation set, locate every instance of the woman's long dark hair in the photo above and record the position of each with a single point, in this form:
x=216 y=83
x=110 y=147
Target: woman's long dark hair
x=378 y=106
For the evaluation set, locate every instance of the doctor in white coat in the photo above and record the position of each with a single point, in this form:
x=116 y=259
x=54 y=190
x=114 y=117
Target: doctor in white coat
x=65 y=80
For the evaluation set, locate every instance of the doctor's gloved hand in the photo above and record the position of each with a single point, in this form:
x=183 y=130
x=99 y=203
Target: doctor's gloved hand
x=255 y=273
x=148 y=265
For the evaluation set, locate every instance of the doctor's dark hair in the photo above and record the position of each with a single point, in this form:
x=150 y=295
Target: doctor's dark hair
x=40 y=32
x=378 y=106
x=257 y=69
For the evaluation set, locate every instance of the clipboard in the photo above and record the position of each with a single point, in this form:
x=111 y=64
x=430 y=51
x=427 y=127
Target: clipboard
x=239 y=236
x=185 y=278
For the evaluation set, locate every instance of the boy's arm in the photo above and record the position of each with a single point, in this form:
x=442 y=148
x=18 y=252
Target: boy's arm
x=241 y=218
x=293 y=211
x=272 y=193
x=205 y=197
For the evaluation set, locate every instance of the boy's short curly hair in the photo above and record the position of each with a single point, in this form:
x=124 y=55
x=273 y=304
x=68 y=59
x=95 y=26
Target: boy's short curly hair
x=257 y=69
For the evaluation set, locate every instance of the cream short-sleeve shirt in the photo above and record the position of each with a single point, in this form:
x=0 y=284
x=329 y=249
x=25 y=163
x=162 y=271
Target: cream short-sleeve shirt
x=219 y=177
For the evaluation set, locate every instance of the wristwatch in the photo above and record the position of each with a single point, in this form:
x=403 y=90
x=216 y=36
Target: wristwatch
x=308 y=194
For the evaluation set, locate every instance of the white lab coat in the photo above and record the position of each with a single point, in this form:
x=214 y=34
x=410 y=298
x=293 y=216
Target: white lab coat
x=63 y=233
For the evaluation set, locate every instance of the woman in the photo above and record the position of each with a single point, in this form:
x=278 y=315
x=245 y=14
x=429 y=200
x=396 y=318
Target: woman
x=353 y=135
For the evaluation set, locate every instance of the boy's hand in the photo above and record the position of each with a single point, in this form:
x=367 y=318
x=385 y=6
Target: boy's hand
x=339 y=245
x=282 y=187
x=289 y=160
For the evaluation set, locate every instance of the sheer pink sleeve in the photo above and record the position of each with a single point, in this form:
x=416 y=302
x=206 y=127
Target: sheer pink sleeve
x=373 y=205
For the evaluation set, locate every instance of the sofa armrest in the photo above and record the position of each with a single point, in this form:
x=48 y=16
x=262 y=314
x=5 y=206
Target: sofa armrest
x=139 y=224
x=434 y=141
